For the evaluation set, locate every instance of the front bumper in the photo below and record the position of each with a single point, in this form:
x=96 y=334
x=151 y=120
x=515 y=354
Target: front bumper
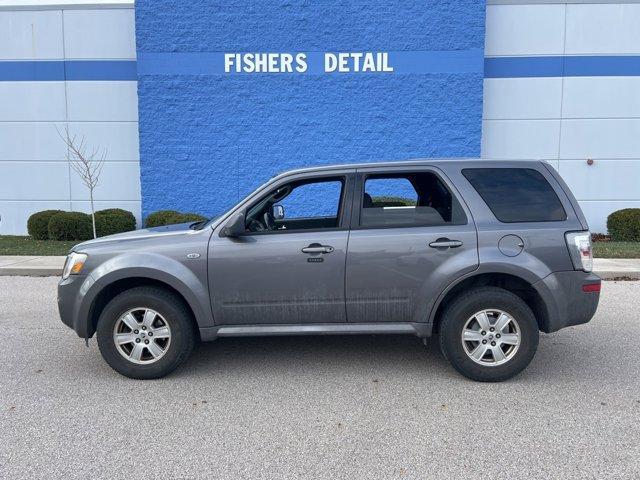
x=71 y=296
x=565 y=300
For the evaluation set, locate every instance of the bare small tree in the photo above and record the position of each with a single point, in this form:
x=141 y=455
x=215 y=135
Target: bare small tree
x=87 y=163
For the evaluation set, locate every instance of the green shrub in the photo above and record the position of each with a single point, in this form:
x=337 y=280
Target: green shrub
x=624 y=225
x=190 y=217
x=38 y=224
x=600 y=237
x=160 y=218
x=114 y=220
x=70 y=226
x=387 y=201
x=170 y=217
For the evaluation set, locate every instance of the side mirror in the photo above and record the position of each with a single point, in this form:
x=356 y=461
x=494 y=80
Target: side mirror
x=234 y=227
x=277 y=211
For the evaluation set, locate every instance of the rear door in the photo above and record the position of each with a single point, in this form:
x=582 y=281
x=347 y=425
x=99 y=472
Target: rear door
x=411 y=236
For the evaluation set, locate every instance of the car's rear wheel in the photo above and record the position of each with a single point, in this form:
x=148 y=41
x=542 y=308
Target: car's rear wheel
x=488 y=334
x=145 y=332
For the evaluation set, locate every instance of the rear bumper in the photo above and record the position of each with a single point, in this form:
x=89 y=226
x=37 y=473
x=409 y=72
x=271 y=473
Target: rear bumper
x=566 y=301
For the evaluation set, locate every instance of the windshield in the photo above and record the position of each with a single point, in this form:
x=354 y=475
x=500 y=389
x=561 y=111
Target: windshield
x=213 y=219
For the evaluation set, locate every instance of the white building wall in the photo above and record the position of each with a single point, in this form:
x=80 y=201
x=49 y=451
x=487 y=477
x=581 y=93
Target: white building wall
x=34 y=173
x=567 y=120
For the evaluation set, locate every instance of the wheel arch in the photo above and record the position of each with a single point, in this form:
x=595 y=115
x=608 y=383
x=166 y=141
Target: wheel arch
x=110 y=290
x=516 y=282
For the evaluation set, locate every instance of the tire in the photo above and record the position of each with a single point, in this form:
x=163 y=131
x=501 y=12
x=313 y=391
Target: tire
x=172 y=323
x=492 y=366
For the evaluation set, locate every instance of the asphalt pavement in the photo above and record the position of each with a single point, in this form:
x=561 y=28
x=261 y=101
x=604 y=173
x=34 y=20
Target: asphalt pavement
x=317 y=407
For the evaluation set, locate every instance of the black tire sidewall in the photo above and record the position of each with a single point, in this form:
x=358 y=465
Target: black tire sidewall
x=469 y=303
x=167 y=305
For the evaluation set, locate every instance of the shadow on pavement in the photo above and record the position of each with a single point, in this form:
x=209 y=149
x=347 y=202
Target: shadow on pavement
x=338 y=353
x=558 y=358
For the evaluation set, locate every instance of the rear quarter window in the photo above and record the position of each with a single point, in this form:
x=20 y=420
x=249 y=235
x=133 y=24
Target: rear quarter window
x=516 y=194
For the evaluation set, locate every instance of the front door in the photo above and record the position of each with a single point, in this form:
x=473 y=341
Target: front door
x=411 y=236
x=289 y=266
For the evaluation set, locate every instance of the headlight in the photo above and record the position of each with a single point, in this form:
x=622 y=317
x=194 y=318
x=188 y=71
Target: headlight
x=73 y=265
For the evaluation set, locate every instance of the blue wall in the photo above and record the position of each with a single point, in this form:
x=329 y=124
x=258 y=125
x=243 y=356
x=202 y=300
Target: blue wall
x=208 y=138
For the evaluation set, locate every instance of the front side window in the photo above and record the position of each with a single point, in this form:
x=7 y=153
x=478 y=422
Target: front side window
x=409 y=199
x=302 y=205
x=313 y=200
x=516 y=194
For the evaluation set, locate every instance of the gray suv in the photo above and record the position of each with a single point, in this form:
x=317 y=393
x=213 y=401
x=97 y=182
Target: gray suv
x=485 y=254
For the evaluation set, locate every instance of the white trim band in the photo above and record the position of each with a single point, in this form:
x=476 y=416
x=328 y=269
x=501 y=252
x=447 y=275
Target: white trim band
x=557 y=2
x=63 y=4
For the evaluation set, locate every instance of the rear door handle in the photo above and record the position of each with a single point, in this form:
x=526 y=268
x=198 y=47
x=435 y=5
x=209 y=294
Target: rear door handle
x=317 y=248
x=445 y=243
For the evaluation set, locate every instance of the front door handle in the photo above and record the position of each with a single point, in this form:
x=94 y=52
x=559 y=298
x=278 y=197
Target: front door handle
x=445 y=243
x=317 y=248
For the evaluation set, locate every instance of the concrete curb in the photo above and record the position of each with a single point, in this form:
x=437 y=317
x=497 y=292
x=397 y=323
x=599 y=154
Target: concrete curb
x=31 y=266
x=617 y=268
x=618 y=276
x=605 y=268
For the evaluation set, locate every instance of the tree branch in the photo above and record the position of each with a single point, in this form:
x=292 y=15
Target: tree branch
x=87 y=165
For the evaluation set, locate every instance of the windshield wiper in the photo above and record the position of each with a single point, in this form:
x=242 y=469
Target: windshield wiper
x=198 y=225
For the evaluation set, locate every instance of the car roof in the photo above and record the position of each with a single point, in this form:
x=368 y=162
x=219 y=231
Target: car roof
x=463 y=162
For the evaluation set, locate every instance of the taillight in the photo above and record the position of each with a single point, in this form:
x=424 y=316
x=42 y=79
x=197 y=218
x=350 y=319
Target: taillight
x=579 y=244
x=591 y=287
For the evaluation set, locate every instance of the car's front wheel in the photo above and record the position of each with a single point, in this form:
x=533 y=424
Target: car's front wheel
x=145 y=333
x=488 y=334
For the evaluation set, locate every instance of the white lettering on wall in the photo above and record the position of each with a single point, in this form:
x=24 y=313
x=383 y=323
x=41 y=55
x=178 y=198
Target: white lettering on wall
x=355 y=62
x=342 y=62
x=265 y=62
x=301 y=62
x=364 y=62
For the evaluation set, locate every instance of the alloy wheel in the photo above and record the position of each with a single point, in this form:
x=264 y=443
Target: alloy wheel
x=491 y=337
x=142 y=335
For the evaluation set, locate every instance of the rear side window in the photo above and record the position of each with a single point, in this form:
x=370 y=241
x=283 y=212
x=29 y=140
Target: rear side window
x=408 y=199
x=516 y=194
